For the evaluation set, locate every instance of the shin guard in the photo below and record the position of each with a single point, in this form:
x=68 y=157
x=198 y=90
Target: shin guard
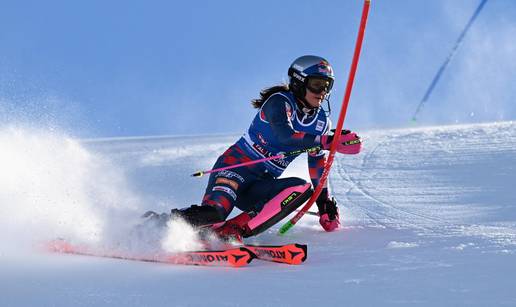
x=278 y=208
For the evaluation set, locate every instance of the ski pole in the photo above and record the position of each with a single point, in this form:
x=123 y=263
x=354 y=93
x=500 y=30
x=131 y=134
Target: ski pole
x=279 y=156
x=340 y=123
x=310 y=213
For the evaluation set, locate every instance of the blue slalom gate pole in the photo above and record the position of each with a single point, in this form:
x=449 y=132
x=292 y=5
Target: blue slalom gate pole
x=448 y=59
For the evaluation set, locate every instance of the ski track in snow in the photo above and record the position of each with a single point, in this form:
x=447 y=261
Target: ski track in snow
x=402 y=180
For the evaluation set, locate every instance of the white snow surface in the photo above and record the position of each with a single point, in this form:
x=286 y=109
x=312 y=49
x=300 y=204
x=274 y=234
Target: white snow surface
x=428 y=214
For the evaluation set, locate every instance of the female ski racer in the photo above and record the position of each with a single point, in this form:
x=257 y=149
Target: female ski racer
x=289 y=118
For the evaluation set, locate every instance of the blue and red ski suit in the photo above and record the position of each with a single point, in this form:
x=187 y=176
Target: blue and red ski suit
x=279 y=126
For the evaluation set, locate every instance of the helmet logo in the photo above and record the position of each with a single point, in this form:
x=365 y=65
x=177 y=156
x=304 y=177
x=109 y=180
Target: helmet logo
x=297 y=76
x=324 y=67
x=298 y=67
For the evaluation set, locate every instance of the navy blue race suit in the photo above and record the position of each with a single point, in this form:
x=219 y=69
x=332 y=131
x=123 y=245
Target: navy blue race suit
x=279 y=126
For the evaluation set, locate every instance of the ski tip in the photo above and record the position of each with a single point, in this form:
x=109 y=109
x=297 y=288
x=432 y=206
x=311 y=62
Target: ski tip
x=296 y=253
x=303 y=247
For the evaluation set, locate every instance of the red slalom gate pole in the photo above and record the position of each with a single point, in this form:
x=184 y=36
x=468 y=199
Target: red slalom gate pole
x=340 y=123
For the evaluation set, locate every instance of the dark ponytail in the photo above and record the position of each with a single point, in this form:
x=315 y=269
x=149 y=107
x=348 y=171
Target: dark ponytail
x=268 y=92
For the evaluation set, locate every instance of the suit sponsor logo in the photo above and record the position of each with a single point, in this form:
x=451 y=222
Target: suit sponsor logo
x=281 y=163
x=320 y=125
x=226 y=190
x=288 y=109
x=233 y=184
x=262 y=150
x=262 y=139
x=290 y=198
x=230 y=175
x=262 y=116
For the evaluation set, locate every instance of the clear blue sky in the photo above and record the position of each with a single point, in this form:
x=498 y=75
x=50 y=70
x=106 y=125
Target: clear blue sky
x=133 y=68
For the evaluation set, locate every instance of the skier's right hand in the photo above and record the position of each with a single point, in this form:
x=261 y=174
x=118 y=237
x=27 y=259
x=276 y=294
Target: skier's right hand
x=349 y=142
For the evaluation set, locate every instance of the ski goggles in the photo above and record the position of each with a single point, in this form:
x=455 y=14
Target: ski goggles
x=319 y=85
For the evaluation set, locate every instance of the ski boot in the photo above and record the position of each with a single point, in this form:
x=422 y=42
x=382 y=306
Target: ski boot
x=194 y=215
x=198 y=215
x=233 y=230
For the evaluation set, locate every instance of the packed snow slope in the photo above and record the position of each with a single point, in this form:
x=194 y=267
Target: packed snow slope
x=429 y=218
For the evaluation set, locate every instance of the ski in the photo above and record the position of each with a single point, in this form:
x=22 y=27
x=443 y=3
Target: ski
x=289 y=253
x=233 y=257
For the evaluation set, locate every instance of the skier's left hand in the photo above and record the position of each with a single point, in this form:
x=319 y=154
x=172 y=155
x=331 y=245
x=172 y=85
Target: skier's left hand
x=328 y=214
